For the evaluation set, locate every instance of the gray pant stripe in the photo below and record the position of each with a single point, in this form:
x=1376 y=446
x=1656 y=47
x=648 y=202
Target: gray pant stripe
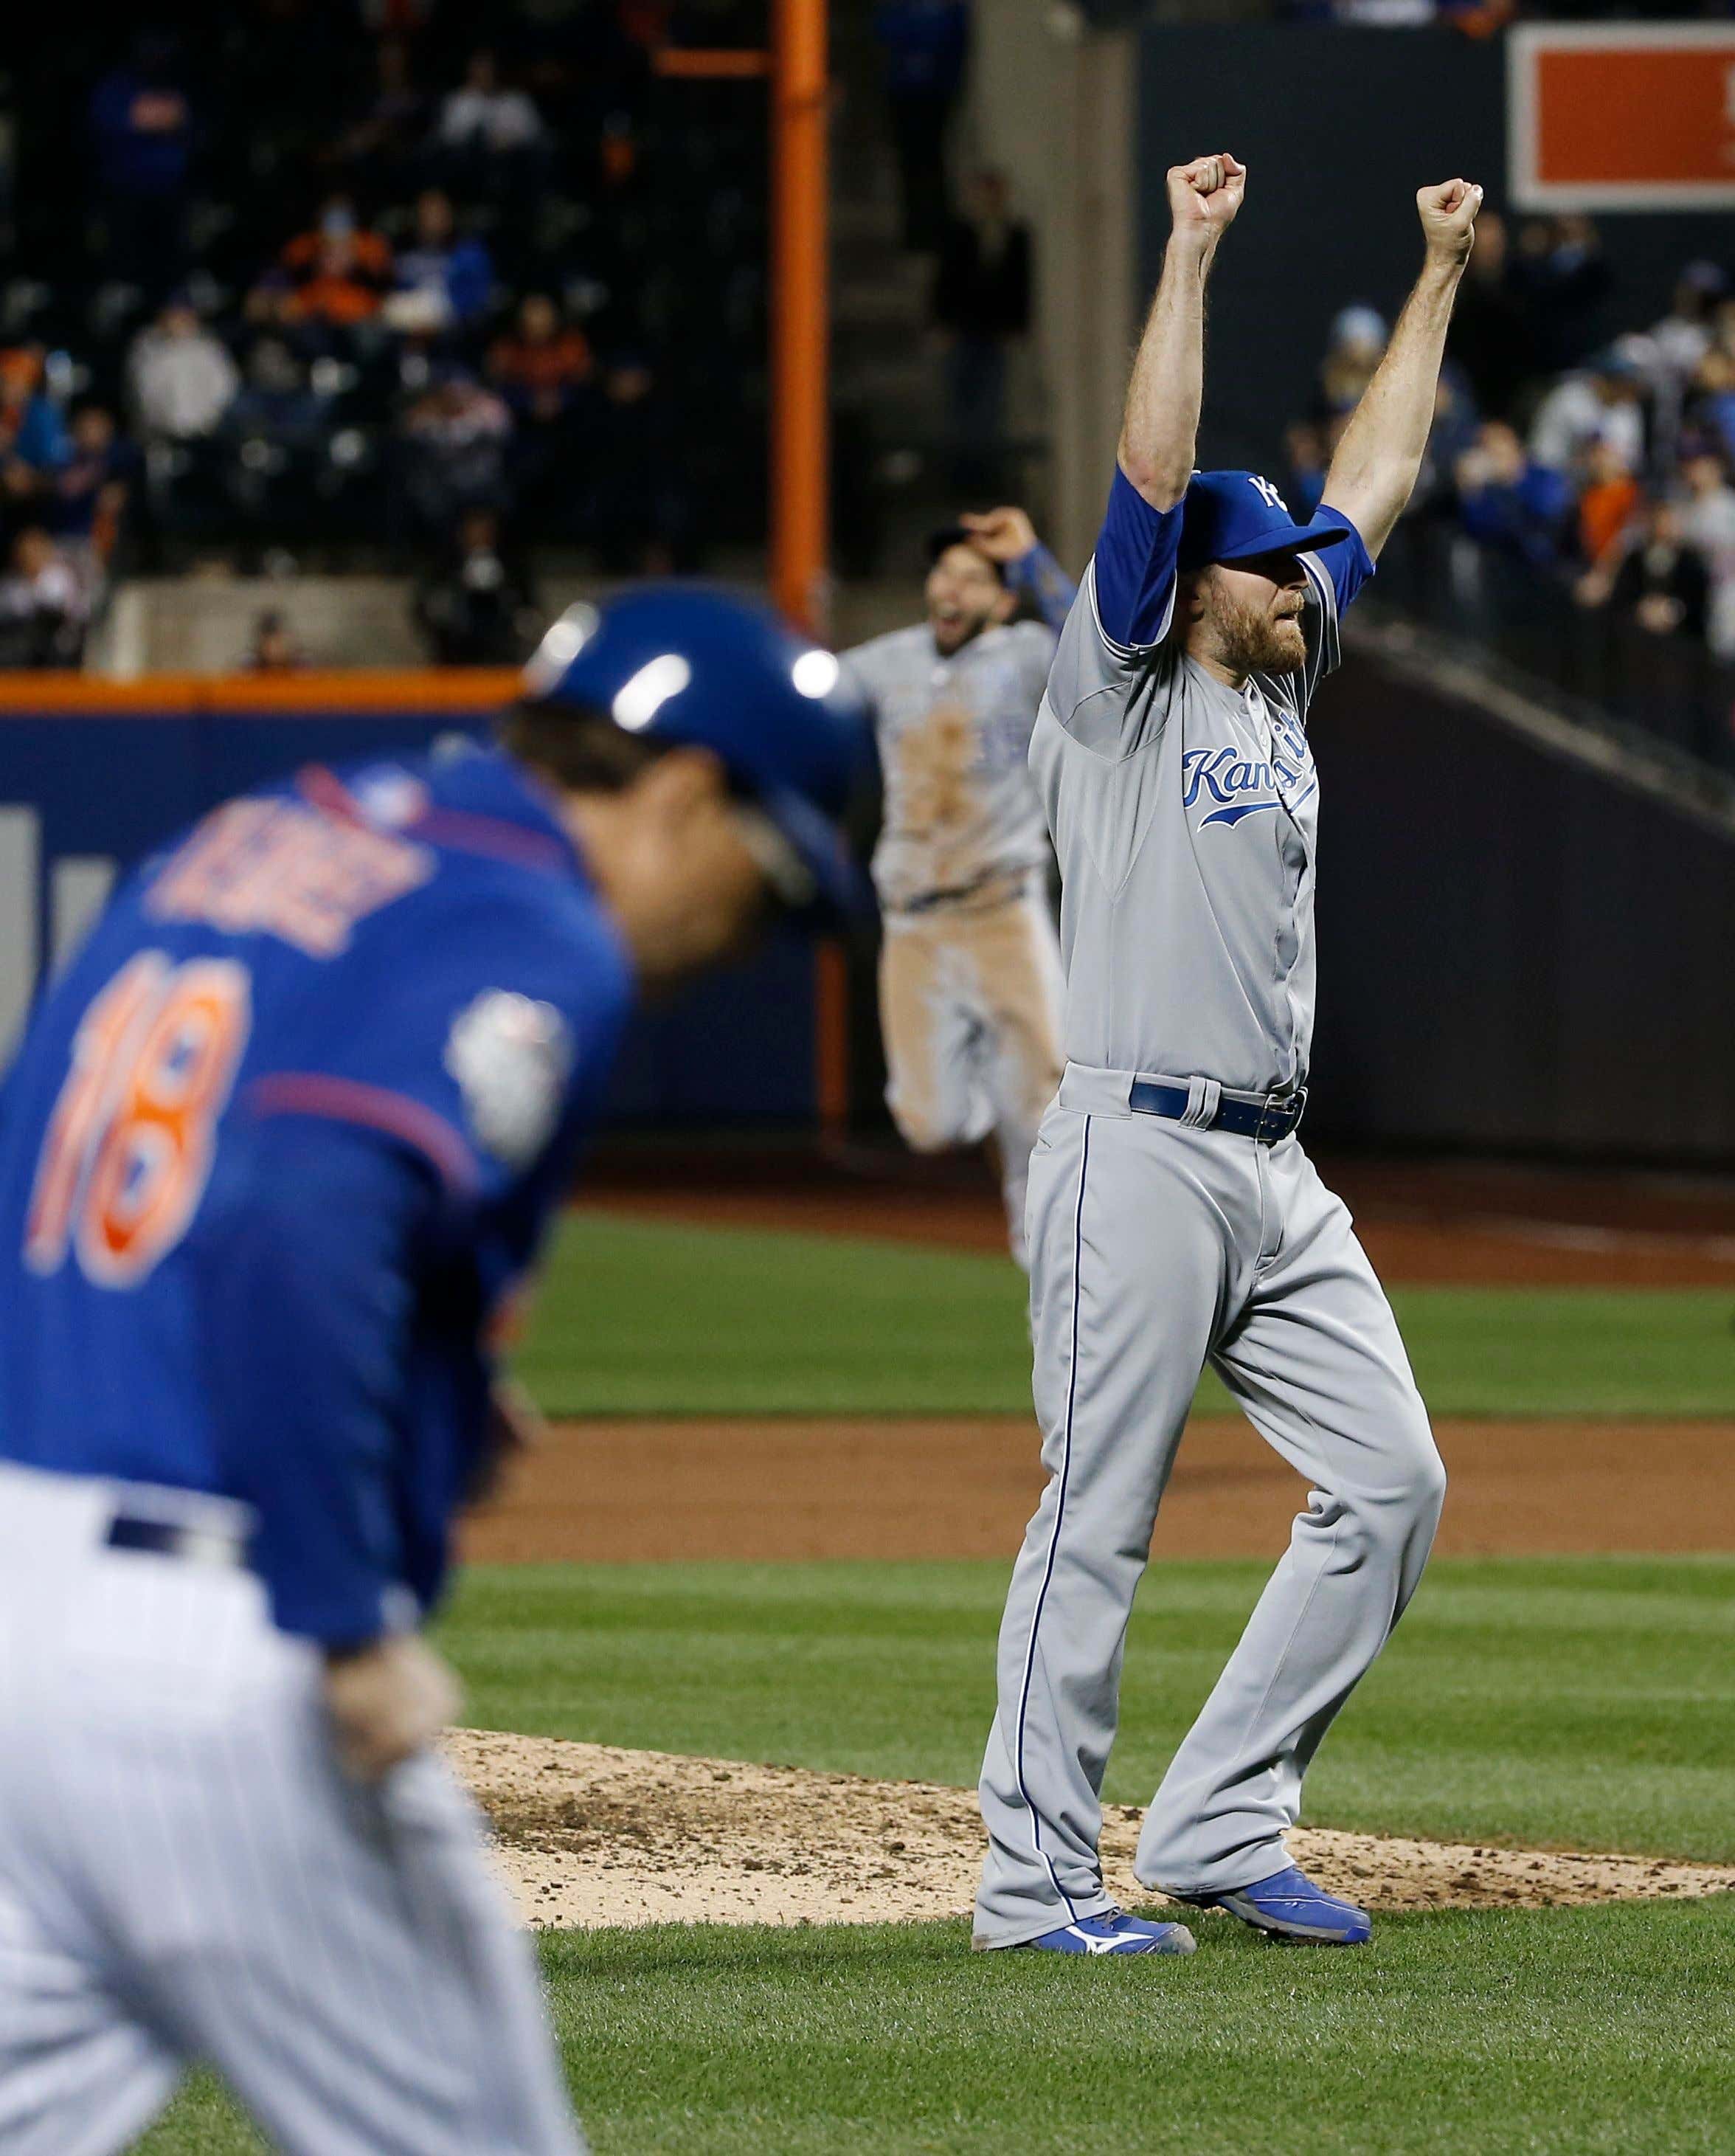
x=1054 y=1540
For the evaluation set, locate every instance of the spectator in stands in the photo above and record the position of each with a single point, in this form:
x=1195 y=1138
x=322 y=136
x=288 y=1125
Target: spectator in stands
x=1456 y=426
x=330 y=279
x=1610 y=500
x=367 y=256
x=382 y=142
x=455 y=440
x=274 y=648
x=1357 y=346
x=478 y=610
x=1602 y=404
x=89 y=493
x=491 y=138
x=1508 y=500
x=33 y=435
x=1305 y=457
x=547 y=374
x=1560 y=272
x=1708 y=521
x=275 y=403
x=926 y=44
x=1711 y=399
x=542 y=364
x=141 y=132
x=640 y=505
x=1663 y=584
x=1657 y=580
x=1491 y=336
x=1685 y=334
x=443 y=280
x=44 y=607
x=982 y=302
x=483 y=115
x=584 y=64
x=182 y=378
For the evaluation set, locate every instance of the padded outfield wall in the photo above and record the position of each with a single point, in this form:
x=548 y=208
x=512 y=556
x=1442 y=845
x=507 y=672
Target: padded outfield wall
x=95 y=775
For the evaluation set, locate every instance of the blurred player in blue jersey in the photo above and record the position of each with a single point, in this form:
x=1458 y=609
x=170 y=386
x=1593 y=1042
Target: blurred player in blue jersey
x=273 y=1157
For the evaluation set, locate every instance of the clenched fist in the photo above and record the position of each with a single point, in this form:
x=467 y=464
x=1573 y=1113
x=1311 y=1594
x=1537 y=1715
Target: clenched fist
x=1004 y=535
x=1448 y=214
x=1204 y=196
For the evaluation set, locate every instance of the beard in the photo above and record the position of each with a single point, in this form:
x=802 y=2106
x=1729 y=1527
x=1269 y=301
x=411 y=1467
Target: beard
x=951 y=636
x=1252 y=639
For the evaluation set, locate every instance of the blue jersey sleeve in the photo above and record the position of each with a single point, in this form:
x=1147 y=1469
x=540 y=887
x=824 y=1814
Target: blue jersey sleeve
x=1133 y=569
x=309 y=1254
x=1335 y=574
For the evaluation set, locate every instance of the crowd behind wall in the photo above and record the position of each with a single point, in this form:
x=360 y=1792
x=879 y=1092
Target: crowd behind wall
x=408 y=280
x=1575 y=509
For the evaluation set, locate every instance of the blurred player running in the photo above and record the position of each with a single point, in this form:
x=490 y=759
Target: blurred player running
x=970 y=979
x=272 y=1158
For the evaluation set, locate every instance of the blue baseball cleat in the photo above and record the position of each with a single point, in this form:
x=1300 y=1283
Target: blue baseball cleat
x=1289 y=1906
x=1113 y=1933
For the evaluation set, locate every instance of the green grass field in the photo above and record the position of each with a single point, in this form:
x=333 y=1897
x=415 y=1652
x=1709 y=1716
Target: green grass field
x=643 y=1317
x=1579 y=1702
x=1572 y=1702
x=1579 y=2031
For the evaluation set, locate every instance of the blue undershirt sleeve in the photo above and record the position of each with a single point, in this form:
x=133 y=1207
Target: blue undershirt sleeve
x=1134 y=567
x=1038 y=577
x=1347 y=562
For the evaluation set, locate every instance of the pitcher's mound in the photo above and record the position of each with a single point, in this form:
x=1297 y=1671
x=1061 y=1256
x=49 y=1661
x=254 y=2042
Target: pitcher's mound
x=589 y=1835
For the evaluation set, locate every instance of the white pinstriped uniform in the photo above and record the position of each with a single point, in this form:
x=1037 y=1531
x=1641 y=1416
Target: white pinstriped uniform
x=187 y=1875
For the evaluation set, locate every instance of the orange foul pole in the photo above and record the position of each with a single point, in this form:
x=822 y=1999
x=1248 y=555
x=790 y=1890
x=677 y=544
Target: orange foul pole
x=800 y=426
x=800 y=445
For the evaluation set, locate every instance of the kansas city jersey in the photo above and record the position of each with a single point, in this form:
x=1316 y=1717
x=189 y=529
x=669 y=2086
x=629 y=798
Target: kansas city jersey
x=1185 y=815
x=954 y=737
x=276 y=1149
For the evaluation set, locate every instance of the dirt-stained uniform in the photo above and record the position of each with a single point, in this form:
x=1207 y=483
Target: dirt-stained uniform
x=970 y=977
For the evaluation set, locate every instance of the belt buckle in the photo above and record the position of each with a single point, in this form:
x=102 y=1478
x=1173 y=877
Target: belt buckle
x=1278 y=1119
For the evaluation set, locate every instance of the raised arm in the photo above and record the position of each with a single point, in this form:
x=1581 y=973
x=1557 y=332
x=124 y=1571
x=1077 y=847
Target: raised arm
x=1375 y=468
x=1007 y=536
x=1161 y=426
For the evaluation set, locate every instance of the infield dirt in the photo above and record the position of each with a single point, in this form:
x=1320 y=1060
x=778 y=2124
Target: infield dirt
x=594 y=1835
x=643 y=1489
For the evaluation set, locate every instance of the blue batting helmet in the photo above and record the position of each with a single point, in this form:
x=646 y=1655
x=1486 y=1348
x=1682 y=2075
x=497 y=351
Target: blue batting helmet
x=682 y=663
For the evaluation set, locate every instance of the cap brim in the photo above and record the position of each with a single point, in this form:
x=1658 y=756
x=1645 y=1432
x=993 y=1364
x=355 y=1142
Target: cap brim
x=1319 y=530
x=841 y=892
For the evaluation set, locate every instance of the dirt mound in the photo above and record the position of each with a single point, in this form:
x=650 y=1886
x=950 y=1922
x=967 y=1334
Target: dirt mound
x=589 y=1835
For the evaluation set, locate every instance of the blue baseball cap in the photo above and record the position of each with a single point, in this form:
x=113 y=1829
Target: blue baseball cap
x=691 y=664
x=1230 y=516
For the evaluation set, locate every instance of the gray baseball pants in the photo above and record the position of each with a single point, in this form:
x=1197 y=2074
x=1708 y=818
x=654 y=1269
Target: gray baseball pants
x=1156 y=1247
x=185 y=1874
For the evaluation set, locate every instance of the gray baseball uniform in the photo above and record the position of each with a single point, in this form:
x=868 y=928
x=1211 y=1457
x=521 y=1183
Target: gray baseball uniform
x=970 y=966
x=1184 y=813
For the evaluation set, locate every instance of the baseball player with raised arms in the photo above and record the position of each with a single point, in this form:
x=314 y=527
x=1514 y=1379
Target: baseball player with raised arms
x=970 y=966
x=1174 y=1218
x=273 y=1157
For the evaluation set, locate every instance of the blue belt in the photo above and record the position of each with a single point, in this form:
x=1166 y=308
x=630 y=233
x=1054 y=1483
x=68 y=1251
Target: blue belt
x=176 y=1538
x=1269 y=1120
